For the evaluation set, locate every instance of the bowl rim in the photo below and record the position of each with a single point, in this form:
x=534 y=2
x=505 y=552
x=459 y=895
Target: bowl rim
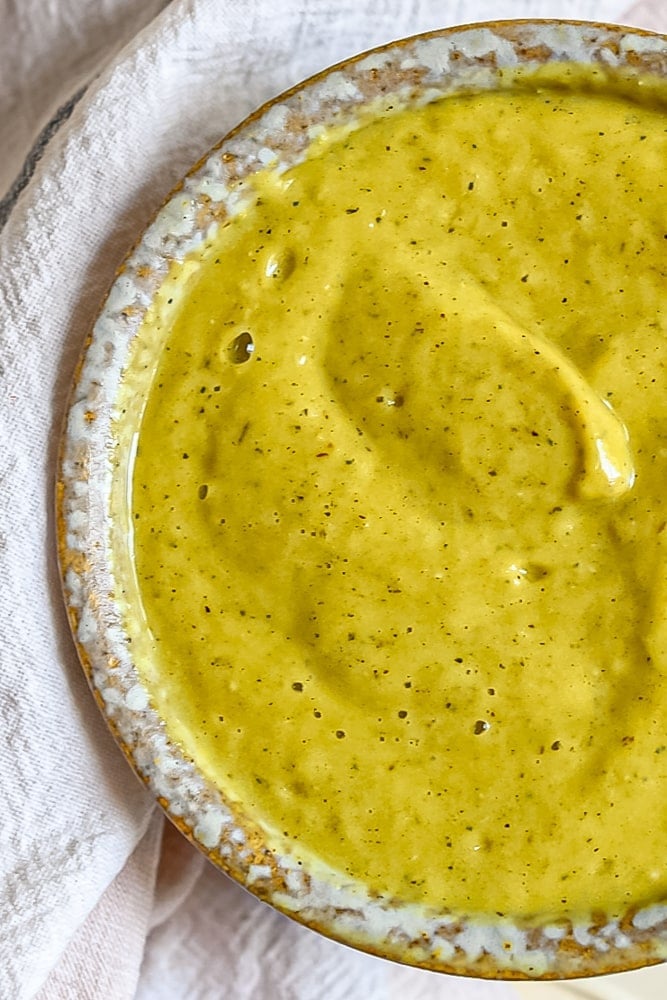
x=85 y=521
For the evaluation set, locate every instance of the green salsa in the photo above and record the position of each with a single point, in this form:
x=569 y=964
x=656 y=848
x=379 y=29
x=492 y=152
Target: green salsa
x=399 y=503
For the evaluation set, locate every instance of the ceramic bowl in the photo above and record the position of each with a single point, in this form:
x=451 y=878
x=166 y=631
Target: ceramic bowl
x=93 y=518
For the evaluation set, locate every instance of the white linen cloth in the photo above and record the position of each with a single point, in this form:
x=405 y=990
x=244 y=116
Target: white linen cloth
x=99 y=898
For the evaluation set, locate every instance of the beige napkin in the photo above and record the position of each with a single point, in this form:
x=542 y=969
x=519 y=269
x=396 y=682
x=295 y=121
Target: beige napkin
x=98 y=899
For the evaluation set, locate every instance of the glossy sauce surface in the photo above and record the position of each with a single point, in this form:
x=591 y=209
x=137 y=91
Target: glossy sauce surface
x=399 y=506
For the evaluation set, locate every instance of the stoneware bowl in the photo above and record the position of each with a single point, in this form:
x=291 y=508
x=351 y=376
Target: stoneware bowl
x=93 y=518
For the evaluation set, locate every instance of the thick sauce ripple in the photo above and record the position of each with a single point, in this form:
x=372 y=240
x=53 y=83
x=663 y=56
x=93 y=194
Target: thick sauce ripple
x=399 y=503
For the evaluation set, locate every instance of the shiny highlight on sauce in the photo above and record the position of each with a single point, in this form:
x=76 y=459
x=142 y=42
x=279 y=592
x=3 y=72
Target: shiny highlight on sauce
x=399 y=502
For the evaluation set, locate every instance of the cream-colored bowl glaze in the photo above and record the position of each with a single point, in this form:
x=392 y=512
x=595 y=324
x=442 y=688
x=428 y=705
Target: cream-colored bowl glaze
x=97 y=454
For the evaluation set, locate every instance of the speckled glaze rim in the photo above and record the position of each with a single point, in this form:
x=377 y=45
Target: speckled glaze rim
x=414 y=70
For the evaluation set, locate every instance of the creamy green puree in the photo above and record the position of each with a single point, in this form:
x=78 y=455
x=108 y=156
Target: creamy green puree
x=399 y=502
